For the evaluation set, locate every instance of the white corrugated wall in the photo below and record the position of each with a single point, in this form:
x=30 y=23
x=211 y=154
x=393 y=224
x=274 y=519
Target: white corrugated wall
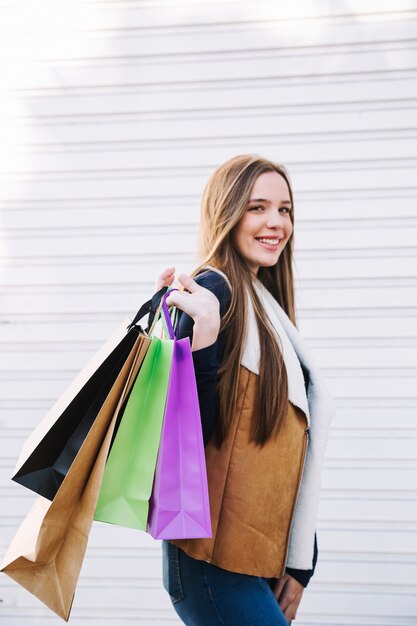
x=112 y=116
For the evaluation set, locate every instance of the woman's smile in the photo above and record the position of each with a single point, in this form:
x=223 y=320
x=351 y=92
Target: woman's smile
x=268 y=243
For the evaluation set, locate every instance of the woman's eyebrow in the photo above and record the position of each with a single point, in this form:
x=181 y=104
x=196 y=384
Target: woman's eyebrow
x=268 y=201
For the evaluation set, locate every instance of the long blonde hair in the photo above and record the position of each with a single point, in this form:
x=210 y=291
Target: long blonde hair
x=224 y=202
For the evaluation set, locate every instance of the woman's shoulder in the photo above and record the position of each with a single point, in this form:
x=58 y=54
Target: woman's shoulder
x=209 y=276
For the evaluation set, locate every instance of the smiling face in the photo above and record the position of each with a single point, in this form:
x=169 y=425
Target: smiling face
x=263 y=231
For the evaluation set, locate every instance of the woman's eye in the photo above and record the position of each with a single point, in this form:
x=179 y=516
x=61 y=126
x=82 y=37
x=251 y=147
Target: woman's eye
x=261 y=208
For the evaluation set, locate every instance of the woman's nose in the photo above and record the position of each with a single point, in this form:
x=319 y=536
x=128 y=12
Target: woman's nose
x=274 y=219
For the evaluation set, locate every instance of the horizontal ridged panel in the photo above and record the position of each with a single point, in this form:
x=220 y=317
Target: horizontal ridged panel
x=114 y=113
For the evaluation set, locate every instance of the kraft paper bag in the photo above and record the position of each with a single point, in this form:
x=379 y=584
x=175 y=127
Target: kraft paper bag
x=46 y=555
x=50 y=450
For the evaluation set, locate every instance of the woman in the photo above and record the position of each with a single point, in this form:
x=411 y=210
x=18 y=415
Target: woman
x=264 y=407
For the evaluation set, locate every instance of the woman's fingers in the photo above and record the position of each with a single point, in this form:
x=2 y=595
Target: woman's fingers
x=165 y=279
x=189 y=283
x=181 y=300
x=279 y=586
x=288 y=593
x=198 y=302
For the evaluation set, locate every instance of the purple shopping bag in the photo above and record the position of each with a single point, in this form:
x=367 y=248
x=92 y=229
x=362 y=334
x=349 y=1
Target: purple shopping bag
x=179 y=505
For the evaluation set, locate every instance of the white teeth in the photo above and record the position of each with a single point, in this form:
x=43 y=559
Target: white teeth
x=270 y=241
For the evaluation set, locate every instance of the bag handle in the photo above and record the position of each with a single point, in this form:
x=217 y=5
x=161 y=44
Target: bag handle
x=150 y=304
x=167 y=317
x=147 y=307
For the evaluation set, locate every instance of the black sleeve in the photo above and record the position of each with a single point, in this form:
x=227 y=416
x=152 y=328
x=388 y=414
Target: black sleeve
x=206 y=360
x=304 y=575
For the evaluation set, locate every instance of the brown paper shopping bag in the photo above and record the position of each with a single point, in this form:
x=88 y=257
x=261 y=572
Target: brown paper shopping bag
x=46 y=554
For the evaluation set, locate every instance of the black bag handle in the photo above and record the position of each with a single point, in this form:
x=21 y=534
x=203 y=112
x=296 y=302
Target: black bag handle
x=150 y=305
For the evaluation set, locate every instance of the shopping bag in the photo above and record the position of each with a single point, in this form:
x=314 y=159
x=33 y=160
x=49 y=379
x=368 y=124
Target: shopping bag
x=51 y=448
x=129 y=472
x=179 y=504
x=46 y=554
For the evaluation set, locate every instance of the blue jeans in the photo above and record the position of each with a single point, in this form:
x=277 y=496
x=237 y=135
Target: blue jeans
x=205 y=595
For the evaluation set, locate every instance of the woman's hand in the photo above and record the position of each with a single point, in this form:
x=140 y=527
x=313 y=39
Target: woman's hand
x=200 y=304
x=288 y=593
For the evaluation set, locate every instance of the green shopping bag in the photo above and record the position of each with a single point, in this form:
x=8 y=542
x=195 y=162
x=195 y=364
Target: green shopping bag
x=128 y=476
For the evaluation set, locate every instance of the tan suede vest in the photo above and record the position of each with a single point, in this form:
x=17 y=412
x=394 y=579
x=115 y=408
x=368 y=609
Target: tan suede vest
x=252 y=492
